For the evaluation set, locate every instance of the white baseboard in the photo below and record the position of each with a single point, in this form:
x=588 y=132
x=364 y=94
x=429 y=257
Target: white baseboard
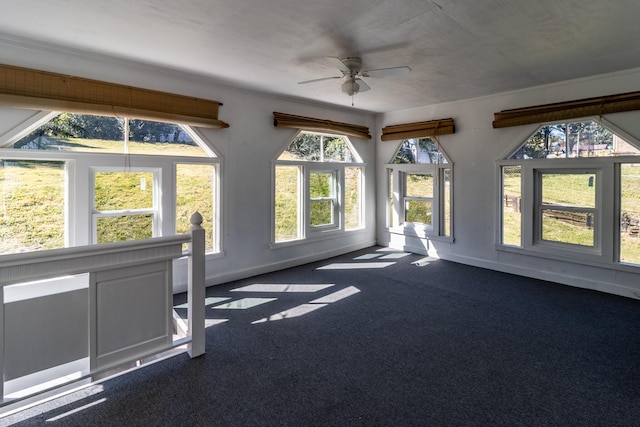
x=579 y=282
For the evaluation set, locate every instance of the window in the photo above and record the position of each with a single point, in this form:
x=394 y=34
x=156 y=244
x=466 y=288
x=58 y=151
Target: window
x=31 y=190
x=99 y=179
x=567 y=207
x=196 y=190
x=571 y=189
x=124 y=206
x=323 y=200
x=317 y=187
x=418 y=197
x=419 y=184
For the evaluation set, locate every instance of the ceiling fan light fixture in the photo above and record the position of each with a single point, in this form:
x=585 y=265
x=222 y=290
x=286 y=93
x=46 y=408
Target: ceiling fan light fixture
x=350 y=87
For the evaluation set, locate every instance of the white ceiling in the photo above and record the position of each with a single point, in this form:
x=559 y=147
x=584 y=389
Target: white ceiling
x=457 y=49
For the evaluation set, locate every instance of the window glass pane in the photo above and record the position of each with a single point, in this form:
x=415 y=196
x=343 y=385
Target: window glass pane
x=419 y=150
x=77 y=132
x=547 y=142
x=418 y=211
x=446 y=191
x=512 y=205
x=352 y=201
x=195 y=192
x=147 y=137
x=321 y=212
x=287 y=196
x=121 y=228
x=105 y=134
x=569 y=189
x=314 y=147
x=321 y=184
x=630 y=213
x=418 y=185
x=123 y=190
x=573 y=140
x=306 y=146
x=336 y=149
x=575 y=228
x=32 y=201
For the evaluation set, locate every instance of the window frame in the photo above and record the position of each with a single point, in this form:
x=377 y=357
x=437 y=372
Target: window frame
x=606 y=250
x=154 y=210
x=408 y=198
x=334 y=197
x=79 y=221
x=540 y=207
x=307 y=232
x=396 y=223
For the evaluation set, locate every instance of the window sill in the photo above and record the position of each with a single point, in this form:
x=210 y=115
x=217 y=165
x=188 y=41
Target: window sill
x=419 y=233
x=577 y=258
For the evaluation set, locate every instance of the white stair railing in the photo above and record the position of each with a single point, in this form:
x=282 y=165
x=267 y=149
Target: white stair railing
x=67 y=314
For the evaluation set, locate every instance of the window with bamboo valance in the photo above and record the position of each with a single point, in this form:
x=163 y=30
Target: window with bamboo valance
x=568 y=110
x=320 y=125
x=418 y=130
x=42 y=90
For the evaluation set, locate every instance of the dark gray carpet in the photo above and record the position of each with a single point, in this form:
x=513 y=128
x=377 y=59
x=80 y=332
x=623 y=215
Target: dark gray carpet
x=439 y=345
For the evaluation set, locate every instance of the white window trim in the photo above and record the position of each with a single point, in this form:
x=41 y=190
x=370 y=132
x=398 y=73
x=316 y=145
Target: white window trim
x=308 y=233
x=337 y=214
x=79 y=194
x=604 y=253
x=154 y=210
x=435 y=230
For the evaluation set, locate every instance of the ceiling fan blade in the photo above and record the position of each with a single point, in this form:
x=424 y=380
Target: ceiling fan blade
x=318 y=80
x=387 y=72
x=337 y=62
x=363 y=86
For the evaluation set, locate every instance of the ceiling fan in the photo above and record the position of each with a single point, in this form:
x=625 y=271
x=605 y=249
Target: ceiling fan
x=351 y=68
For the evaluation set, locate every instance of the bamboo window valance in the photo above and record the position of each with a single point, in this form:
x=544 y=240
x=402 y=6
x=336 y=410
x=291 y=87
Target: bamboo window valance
x=418 y=130
x=308 y=123
x=41 y=90
x=568 y=110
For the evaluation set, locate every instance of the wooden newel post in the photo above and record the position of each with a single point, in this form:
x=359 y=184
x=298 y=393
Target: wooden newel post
x=196 y=287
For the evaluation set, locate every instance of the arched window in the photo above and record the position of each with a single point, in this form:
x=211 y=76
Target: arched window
x=573 y=189
x=73 y=179
x=420 y=183
x=317 y=187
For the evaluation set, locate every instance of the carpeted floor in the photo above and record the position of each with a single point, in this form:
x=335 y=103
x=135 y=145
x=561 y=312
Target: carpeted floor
x=371 y=339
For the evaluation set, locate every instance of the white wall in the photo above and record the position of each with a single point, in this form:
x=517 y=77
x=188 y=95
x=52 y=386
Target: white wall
x=474 y=149
x=246 y=149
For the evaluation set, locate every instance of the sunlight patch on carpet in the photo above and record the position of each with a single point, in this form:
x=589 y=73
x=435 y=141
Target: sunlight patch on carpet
x=243 y=304
x=298 y=311
x=314 y=305
x=356 y=266
x=367 y=256
x=282 y=287
x=207 y=301
x=395 y=256
x=214 y=322
x=336 y=296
